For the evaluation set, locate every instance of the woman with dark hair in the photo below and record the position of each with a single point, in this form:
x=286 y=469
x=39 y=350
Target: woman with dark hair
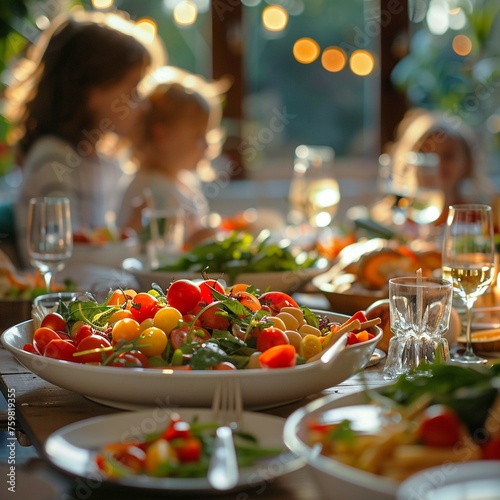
x=81 y=91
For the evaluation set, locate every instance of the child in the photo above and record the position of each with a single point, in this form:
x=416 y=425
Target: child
x=184 y=111
x=81 y=90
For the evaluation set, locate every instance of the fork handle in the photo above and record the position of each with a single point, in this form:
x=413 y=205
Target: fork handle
x=223 y=473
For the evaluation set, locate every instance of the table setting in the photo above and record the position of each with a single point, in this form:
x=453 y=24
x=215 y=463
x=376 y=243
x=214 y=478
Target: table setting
x=295 y=359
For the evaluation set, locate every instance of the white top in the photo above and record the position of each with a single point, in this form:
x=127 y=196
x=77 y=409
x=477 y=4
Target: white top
x=184 y=192
x=53 y=168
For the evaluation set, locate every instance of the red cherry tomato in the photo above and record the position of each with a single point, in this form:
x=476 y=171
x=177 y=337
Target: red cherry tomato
x=130 y=360
x=89 y=343
x=207 y=287
x=270 y=337
x=55 y=321
x=352 y=339
x=177 y=429
x=82 y=332
x=60 y=349
x=491 y=449
x=184 y=295
x=279 y=356
x=212 y=319
x=179 y=335
x=277 y=300
x=42 y=337
x=143 y=306
x=439 y=426
x=30 y=348
x=188 y=450
x=132 y=456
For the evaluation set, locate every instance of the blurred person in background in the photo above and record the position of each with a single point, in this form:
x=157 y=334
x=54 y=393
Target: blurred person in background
x=79 y=97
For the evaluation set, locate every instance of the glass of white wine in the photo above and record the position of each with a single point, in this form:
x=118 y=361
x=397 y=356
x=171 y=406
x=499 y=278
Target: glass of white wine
x=469 y=260
x=50 y=237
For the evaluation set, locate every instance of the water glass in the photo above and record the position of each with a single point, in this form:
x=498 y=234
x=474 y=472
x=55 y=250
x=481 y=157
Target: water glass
x=165 y=234
x=420 y=309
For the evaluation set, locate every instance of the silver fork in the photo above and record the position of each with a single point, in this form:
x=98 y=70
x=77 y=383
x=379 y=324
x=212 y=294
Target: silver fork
x=227 y=409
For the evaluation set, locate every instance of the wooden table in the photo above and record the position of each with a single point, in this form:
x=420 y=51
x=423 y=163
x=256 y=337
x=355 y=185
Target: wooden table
x=42 y=408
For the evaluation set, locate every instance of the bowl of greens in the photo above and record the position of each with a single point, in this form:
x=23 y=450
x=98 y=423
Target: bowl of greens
x=234 y=258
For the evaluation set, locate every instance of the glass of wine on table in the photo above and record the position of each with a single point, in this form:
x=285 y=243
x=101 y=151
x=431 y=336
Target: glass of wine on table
x=469 y=261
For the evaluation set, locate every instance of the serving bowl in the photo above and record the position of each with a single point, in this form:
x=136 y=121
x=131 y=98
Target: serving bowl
x=285 y=281
x=135 y=388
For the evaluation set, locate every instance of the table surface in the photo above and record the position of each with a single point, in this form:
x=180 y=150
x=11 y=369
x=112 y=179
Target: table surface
x=42 y=408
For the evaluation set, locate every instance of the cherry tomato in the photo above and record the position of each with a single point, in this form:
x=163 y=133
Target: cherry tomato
x=125 y=329
x=129 y=360
x=118 y=298
x=277 y=300
x=184 y=295
x=352 y=339
x=159 y=452
x=122 y=313
x=491 y=449
x=279 y=356
x=206 y=290
x=55 y=321
x=225 y=365
x=439 y=426
x=248 y=300
x=131 y=456
x=270 y=337
x=167 y=318
x=90 y=343
x=177 y=429
x=42 y=337
x=30 y=348
x=60 y=349
x=143 y=306
x=152 y=341
x=82 y=332
x=211 y=317
x=179 y=335
x=188 y=450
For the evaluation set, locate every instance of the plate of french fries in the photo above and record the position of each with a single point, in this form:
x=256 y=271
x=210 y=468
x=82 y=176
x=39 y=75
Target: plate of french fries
x=365 y=445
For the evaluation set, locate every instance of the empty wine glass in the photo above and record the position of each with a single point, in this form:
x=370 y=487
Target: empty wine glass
x=314 y=192
x=50 y=237
x=469 y=260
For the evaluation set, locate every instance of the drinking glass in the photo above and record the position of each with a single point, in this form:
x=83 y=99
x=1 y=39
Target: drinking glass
x=469 y=260
x=420 y=309
x=314 y=193
x=50 y=237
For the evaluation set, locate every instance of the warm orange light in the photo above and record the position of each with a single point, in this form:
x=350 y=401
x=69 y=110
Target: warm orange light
x=361 y=62
x=333 y=59
x=145 y=30
x=102 y=4
x=306 y=50
x=185 y=13
x=462 y=45
x=274 y=18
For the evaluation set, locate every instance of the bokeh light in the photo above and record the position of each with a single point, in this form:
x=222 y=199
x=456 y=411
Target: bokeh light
x=306 y=50
x=185 y=13
x=102 y=4
x=361 y=62
x=438 y=17
x=462 y=45
x=333 y=59
x=274 y=18
x=145 y=30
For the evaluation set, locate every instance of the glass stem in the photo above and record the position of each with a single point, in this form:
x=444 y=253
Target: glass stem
x=468 y=320
x=48 y=281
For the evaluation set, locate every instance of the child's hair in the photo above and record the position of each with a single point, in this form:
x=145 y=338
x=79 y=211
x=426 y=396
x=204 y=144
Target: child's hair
x=77 y=53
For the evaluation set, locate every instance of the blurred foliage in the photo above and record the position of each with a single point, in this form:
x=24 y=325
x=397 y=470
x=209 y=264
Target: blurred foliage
x=434 y=76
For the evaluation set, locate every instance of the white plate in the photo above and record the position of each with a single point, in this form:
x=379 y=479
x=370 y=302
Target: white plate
x=284 y=281
x=73 y=448
x=347 y=482
x=465 y=481
x=150 y=387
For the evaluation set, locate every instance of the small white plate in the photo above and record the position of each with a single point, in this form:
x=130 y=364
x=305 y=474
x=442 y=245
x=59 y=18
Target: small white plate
x=73 y=448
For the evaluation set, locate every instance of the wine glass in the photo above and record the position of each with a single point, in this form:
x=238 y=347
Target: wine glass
x=50 y=237
x=314 y=192
x=469 y=260
x=427 y=201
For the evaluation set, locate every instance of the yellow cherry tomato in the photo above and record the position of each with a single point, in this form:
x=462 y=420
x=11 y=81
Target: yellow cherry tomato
x=152 y=341
x=122 y=313
x=147 y=323
x=125 y=329
x=167 y=318
x=310 y=345
x=159 y=452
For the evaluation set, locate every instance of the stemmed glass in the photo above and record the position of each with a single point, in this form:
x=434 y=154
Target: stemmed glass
x=469 y=260
x=50 y=237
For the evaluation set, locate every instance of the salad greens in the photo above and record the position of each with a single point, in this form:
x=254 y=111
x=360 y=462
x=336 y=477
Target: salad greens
x=240 y=253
